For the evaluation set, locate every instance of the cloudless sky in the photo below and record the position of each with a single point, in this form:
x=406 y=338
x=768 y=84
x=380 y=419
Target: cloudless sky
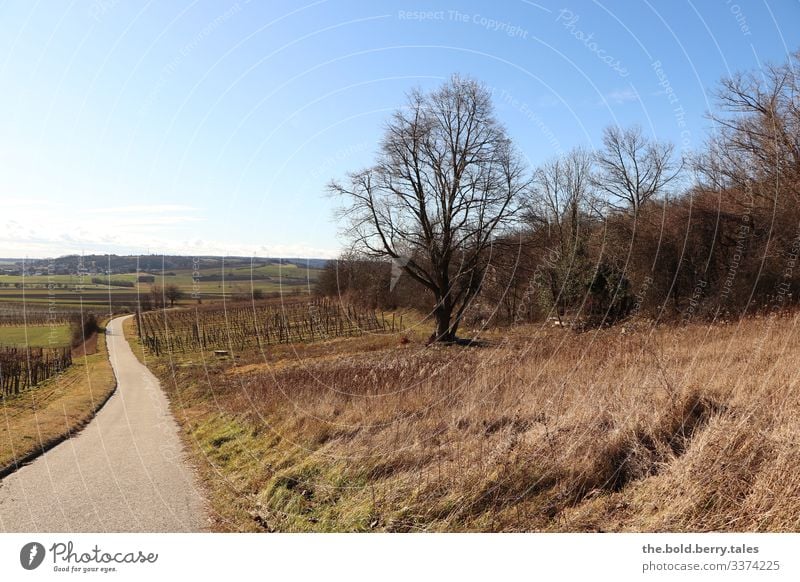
x=212 y=127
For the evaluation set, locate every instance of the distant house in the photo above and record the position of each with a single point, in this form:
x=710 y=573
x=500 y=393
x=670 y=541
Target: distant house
x=147 y=278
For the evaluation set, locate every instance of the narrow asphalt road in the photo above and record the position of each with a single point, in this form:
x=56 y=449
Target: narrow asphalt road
x=125 y=472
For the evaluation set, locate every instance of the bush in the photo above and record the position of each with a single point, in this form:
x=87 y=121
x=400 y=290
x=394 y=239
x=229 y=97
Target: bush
x=83 y=325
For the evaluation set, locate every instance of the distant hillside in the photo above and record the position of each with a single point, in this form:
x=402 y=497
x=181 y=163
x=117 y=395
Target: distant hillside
x=154 y=263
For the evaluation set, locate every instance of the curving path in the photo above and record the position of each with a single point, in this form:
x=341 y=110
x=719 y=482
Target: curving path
x=125 y=472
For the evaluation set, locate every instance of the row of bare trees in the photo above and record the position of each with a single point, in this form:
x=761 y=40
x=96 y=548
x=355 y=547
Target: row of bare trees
x=160 y=297
x=593 y=235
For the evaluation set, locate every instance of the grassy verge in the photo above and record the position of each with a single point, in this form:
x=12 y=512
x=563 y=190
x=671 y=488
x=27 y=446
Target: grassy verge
x=687 y=428
x=56 y=408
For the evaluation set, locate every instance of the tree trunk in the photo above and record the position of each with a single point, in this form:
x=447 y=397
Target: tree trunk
x=444 y=331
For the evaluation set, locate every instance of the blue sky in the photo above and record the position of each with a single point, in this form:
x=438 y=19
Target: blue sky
x=200 y=127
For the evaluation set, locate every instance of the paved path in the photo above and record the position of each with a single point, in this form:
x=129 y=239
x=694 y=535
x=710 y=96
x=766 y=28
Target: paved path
x=124 y=472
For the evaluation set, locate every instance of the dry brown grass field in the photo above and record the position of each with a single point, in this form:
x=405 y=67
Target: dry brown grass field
x=632 y=428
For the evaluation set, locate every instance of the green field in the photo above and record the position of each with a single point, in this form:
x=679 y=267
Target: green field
x=206 y=284
x=39 y=336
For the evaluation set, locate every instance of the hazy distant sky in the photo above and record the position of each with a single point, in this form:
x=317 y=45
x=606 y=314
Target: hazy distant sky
x=201 y=127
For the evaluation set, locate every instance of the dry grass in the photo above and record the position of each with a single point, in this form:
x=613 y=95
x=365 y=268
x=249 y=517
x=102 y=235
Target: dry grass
x=667 y=429
x=87 y=348
x=57 y=407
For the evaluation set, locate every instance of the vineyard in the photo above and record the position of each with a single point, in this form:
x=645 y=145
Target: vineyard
x=256 y=326
x=21 y=368
x=19 y=314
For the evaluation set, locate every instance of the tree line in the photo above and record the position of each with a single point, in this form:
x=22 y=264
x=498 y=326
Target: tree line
x=112 y=282
x=449 y=219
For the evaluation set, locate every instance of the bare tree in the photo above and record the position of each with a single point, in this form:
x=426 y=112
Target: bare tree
x=446 y=182
x=560 y=202
x=562 y=194
x=756 y=145
x=145 y=303
x=173 y=293
x=157 y=294
x=632 y=169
